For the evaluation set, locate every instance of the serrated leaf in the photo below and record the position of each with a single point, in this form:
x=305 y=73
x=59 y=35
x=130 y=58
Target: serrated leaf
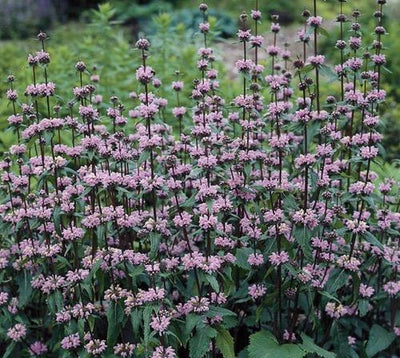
x=115 y=315
x=302 y=236
x=264 y=345
x=379 y=339
x=224 y=342
x=199 y=344
x=219 y=311
x=192 y=320
x=310 y=347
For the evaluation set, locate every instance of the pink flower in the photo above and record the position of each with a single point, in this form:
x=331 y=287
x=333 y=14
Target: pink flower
x=379 y=59
x=12 y=95
x=335 y=310
x=289 y=337
x=179 y=111
x=256 y=291
x=37 y=348
x=164 y=352
x=277 y=258
x=354 y=64
x=144 y=74
x=351 y=264
x=392 y=288
x=244 y=65
x=316 y=60
x=256 y=15
x=71 y=342
x=314 y=21
x=204 y=27
x=183 y=219
x=3 y=297
x=256 y=41
x=17 y=332
x=244 y=35
x=397 y=331
x=273 y=50
x=124 y=349
x=160 y=323
x=351 y=340
x=368 y=152
x=255 y=259
x=15 y=119
x=177 y=86
x=366 y=291
x=143 y=44
x=96 y=346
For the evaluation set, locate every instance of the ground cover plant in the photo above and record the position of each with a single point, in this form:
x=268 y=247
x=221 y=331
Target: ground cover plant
x=205 y=224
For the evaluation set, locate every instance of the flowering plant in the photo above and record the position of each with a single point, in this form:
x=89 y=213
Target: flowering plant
x=258 y=230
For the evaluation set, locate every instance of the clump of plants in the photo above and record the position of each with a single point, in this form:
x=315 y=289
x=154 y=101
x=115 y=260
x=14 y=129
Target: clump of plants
x=252 y=226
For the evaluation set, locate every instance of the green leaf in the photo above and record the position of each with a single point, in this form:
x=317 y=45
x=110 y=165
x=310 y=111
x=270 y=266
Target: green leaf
x=243 y=354
x=322 y=31
x=199 y=344
x=326 y=294
x=356 y=286
x=363 y=307
x=379 y=339
x=115 y=315
x=145 y=155
x=224 y=342
x=24 y=288
x=58 y=300
x=146 y=323
x=310 y=347
x=264 y=345
x=242 y=256
x=188 y=203
x=192 y=320
x=136 y=318
x=57 y=219
x=337 y=280
x=215 y=310
x=9 y=350
x=372 y=239
x=155 y=243
x=303 y=236
x=213 y=282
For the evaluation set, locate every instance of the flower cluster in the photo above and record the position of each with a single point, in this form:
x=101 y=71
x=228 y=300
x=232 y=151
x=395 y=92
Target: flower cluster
x=160 y=230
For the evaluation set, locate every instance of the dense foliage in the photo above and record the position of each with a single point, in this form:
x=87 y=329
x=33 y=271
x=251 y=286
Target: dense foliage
x=182 y=220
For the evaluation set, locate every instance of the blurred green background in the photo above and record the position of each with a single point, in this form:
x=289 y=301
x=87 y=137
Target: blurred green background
x=102 y=34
